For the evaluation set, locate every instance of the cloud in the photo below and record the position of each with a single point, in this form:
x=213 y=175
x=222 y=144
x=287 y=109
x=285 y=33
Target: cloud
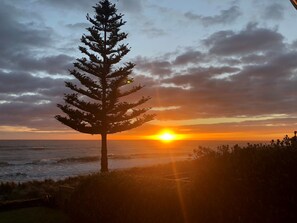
x=249 y=40
x=23 y=82
x=58 y=64
x=131 y=6
x=259 y=82
x=274 y=11
x=23 y=45
x=247 y=72
x=79 y=25
x=16 y=37
x=29 y=100
x=154 y=67
x=197 y=82
x=154 y=32
x=226 y=16
x=40 y=116
x=69 y=4
x=191 y=56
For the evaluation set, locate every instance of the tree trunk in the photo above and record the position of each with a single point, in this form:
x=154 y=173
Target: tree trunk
x=104 y=160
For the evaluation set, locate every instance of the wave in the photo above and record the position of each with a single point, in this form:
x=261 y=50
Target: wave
x=85 y=159
x=18 y=174
x=89 y=159
x=43 y=162
x=3 y=164
x=38 y=148
x=23 y=148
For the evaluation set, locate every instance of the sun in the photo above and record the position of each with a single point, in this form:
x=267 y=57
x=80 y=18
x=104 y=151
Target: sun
x=167 y=136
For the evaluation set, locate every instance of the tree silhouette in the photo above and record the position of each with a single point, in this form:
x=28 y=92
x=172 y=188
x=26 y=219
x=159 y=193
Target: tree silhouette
x=96 y=106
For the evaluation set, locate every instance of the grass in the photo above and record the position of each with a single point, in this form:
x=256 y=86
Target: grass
x=34 y=189
x=33 y=215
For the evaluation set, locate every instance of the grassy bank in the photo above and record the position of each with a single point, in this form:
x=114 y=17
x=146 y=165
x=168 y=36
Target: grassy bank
x=34 y=215
x=34 y=189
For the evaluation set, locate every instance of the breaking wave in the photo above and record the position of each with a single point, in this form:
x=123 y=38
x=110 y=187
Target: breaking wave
x=89 y=159
x=3 y=164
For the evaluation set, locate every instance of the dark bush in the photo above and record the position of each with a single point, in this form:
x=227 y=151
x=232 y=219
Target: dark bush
x=253 y=183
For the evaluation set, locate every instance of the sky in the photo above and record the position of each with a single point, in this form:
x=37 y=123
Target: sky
x=216 y=70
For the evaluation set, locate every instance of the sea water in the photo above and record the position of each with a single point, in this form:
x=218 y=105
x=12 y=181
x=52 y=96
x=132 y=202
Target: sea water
x=26 y=160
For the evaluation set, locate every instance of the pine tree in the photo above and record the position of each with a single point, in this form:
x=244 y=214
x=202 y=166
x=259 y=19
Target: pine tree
x=96 y=106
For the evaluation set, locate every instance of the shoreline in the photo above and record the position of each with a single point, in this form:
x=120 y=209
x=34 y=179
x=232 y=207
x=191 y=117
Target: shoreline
x=130 y=164
x=58 y=160
x=38 y=188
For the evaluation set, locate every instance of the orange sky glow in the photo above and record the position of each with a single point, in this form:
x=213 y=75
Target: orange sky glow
x=246 y=131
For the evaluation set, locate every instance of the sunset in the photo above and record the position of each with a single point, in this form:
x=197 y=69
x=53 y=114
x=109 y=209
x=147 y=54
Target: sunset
x=166 y=111
x=206 y=65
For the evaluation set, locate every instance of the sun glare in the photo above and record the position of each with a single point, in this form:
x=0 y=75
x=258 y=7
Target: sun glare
x=166 y=136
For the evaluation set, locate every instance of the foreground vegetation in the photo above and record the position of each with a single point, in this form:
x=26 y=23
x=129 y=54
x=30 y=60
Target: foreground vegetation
x=33 y=215
x=254 y=183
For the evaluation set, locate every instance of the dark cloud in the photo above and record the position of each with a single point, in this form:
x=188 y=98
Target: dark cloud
x=22 y=43
x=80 y=25
x=225 y=16
x=32 y=115
x=190 y=56
x=156 y=67
x=200 y=74
x=274 y=11
x=149 y=28
x=22 y=82
x=153 y=32
x=230 y=61
x=259 y=82
x=294 y=44
x=133 y=6
x=17 y=37
x=254 y=59
x=70 y=4
x=58 y=64
x=249 y=40
x=28 y=100
x=130 y=6
x=255 y=90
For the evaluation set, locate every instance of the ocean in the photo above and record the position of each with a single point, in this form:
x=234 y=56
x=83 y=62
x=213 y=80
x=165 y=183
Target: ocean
x=27 y=160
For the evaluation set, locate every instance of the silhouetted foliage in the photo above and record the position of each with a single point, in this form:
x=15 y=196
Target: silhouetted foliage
x=252 y=183
x=97 y=107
